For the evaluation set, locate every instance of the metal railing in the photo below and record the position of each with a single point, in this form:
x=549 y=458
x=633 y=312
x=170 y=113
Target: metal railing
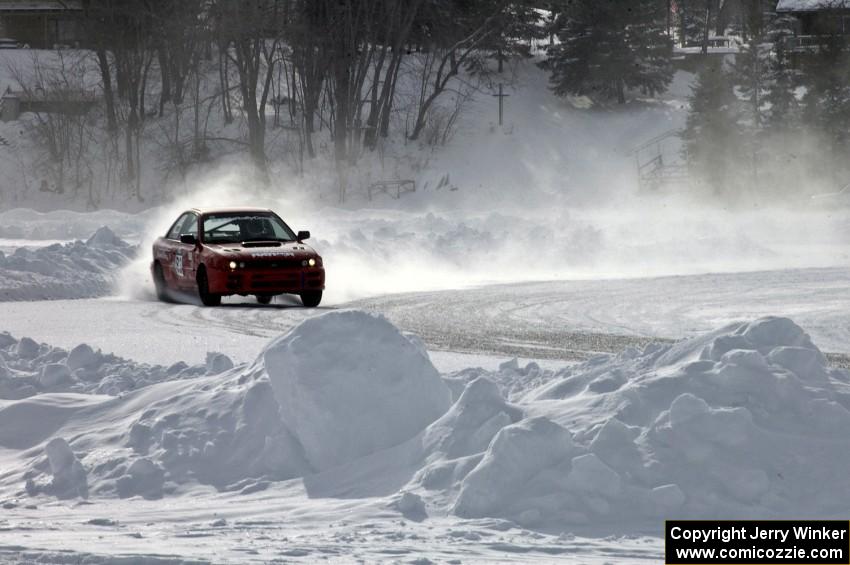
x=394 y=188
x=653 y=170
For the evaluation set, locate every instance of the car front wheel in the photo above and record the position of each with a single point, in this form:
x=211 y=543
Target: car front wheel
x=311 y=299
x=207 y=298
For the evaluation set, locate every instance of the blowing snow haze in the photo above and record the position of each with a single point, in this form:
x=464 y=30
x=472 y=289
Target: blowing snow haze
x=586 y=271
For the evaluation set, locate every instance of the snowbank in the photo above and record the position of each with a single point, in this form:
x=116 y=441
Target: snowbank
x=74 y=270
x=28 y=368
x=337 y=388
x=746 y=421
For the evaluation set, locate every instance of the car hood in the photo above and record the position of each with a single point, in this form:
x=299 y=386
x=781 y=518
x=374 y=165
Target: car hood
x=259 y=250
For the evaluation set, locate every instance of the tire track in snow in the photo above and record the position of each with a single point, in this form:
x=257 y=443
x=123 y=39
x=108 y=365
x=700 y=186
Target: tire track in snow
x=567 y=320
x=574 y=319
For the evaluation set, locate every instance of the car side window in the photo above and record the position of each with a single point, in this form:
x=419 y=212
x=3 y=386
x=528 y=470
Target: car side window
x=174 y=232
x=190 y=226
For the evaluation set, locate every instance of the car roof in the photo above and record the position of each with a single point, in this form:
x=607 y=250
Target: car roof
x=229 y=210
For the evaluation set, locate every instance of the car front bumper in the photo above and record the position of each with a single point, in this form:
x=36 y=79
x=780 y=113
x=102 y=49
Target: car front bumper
x=267 y=281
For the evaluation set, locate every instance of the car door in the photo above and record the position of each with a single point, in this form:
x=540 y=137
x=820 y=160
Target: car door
x=172 y=268
x=191 y=253
x=185 y=254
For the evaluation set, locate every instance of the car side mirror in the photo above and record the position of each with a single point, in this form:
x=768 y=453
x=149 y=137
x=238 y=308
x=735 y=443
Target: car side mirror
x=188 y=239
x=302 y=235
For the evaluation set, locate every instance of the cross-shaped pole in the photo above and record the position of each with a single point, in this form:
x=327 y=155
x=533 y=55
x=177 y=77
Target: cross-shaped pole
x=501 y=96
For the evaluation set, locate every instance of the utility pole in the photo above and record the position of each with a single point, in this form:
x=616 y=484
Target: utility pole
x=501 y=96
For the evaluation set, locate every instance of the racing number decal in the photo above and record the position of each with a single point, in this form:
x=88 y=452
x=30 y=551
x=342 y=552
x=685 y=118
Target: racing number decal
x=178 y=263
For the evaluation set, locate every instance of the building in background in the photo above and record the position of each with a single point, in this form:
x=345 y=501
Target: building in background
x=42 y=24
x=816 y=19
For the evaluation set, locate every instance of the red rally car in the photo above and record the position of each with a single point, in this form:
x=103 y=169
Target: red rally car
x=225 y=251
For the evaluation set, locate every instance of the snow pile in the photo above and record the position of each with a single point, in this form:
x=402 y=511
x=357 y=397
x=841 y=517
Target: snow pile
x=28 y=368
x=226 y=431
x=73 y=270
x=105 y=238
x=223 y=430
x=520 y=472
x=748 y=421
x=347 y=384
x=336 y=388
x=470 y=424
x=350 y=384
x=513 y=381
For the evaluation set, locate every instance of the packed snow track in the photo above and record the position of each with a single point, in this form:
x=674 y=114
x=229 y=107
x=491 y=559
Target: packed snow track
x=567 y=320
x=573 y=319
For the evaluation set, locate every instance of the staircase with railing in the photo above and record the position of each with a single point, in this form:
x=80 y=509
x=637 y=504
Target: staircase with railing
x=659 y=163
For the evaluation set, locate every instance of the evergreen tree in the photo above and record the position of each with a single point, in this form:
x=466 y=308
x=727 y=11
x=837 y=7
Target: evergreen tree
x=782 y=114
x=826 y=103
x=711 y=132
x=517 y=25
x=607 y=47
x=694 y=22
x=750 y=75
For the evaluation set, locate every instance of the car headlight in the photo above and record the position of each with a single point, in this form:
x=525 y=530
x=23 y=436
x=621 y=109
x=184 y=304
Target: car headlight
x=233 y=264
x=311 y=262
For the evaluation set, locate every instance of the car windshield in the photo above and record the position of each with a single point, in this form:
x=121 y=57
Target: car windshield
x=241 y=227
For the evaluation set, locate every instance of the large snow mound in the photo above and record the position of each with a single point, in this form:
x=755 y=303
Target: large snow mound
x=357 y=386
x=746 y=421
x=73 y=270
x=350 y=384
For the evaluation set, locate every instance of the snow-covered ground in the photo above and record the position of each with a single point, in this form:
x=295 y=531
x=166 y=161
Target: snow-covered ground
x=283 y=525
x=531 y=320
x=342 y=441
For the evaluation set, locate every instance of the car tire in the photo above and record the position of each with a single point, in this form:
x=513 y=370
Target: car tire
x=207 y=298
x=159 y=283
x=311 y=299
x=264 y=298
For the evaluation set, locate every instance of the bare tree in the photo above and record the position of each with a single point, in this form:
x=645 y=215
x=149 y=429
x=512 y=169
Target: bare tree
x=179 y=39
x=254 y=32
x=442 y=64
x=100 y=23
x=55 y=88
x=311 y=63
x=399 y=23
x=124 y=48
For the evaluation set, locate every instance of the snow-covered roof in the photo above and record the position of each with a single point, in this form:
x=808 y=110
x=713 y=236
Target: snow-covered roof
x=811 y=5
x=39 y=5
